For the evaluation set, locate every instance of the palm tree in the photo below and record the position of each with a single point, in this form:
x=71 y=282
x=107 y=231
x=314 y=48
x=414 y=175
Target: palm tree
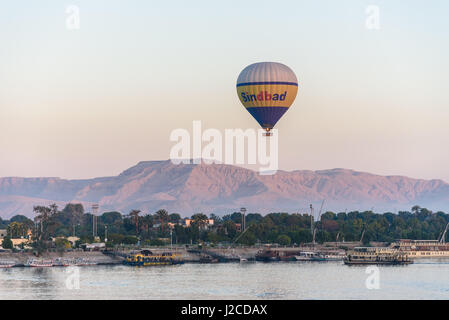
x=162 y=216
x=201 y=220
x=147 y=221
x=416 y=209
x=15 y=230
x=135 y=217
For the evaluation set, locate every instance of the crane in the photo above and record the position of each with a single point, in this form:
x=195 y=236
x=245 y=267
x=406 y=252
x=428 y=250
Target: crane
x=336 y=239
x=316 y=225
x=321 y=209
x=443 y=236
x=363 y=233
x=311 y=219
x=241 y=234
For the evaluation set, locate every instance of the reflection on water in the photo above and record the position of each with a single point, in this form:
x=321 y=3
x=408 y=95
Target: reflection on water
x=426 y=279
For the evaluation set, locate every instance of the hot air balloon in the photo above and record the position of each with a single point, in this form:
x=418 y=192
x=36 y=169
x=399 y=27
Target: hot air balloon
x=267 y=90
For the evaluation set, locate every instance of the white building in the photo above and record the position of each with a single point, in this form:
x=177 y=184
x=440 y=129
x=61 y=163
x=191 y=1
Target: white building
x=208 y=223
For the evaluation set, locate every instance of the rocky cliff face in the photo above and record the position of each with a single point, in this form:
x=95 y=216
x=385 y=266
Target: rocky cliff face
x=222 y=188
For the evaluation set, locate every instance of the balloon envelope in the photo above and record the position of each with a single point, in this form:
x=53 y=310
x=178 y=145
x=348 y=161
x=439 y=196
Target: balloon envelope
x=267 y=90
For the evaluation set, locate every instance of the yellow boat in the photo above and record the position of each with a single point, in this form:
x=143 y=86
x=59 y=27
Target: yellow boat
x=147 y=258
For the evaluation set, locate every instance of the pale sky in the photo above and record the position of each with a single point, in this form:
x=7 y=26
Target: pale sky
x=95 y=101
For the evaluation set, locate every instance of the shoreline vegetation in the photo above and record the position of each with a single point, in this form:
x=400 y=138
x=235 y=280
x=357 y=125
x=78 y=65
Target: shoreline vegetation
x=74 y=233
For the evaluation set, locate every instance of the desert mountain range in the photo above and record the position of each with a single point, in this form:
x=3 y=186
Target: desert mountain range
x=219 y=188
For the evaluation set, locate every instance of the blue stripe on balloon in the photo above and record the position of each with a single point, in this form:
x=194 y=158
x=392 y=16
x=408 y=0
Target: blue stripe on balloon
x=267 y=116
x=266 y=83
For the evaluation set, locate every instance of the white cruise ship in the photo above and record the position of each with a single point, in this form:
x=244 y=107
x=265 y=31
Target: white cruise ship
x=422 y=248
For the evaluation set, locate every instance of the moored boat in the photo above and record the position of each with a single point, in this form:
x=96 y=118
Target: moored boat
x=40 y=263
x=89 y=263
x=147 y=258
x=267 y=256
x=287 y=258
x=417 y=249
x=309 y=256
x=82 y=262
x=333 y=258
x=379 y=256
x=59 y=262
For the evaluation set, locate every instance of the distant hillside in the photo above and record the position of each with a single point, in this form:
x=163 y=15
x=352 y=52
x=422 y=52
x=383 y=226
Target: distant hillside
x=219 y=188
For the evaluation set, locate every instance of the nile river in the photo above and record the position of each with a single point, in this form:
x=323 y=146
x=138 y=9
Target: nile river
x=426 y=279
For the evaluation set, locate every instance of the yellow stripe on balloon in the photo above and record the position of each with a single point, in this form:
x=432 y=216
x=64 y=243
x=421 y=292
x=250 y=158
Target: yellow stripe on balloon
x=265 y=95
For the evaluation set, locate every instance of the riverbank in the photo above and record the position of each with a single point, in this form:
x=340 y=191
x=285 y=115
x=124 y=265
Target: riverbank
x=188 y=255
x=20 y=258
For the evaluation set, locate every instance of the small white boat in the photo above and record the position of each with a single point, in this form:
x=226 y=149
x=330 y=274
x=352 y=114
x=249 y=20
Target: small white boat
x=307 y=256
x=333 y=257
x=58 y=262
x=315 y=256
x=40 y=263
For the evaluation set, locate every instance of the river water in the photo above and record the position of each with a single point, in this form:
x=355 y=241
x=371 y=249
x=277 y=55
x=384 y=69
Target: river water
x=425 y=279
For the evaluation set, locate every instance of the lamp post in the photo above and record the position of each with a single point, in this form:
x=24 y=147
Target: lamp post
x=243 y=211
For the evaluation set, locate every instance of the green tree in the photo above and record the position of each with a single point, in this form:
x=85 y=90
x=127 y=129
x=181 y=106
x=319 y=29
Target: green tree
x=162 y=217
x=115 y=238
x=230 y=229
x=17 y=230
x=130 y=240
x=134 y=214
x=284 y=240
x=21 y=219
x=45 y=221
x=248 y=238
x=200 y=220
x=75 y=211
x=147 y=223
x=111 y=218
x=62 y=244
x=7 y=243
x=174 y=218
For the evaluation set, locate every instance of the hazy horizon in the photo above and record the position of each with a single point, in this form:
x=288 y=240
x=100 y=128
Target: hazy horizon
x=93 y=102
